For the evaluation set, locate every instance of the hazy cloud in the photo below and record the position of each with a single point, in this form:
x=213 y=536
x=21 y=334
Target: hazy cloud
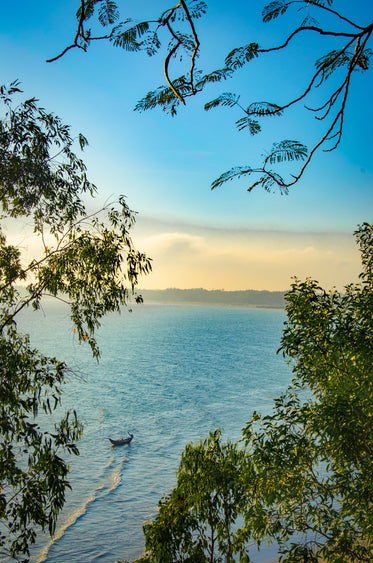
x=175 y=243
x=246 y=259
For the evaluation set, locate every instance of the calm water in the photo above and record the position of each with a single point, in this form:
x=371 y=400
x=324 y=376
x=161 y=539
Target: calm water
x=169 y=374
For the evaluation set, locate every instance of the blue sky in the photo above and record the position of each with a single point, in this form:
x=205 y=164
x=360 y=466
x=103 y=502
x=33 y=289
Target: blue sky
x=226 y=238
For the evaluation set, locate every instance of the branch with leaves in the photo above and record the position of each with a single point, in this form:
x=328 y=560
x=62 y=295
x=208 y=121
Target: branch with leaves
x=341 y=63
x=87 y=260
x=341 y=59
x=144 y=35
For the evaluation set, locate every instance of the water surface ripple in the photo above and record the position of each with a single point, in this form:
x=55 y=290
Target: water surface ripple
x=168 y=374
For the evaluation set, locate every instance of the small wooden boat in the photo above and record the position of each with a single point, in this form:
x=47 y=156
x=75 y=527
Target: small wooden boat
x=122 y=441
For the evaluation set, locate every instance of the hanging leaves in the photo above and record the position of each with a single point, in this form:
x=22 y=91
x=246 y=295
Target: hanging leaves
x=287 y=151
x=129 y=39
x=226 y=99
x=246 y=122
x=242 y=55
x=275 y=9
x=231 y=174
x=108 y=12
x=263 y=109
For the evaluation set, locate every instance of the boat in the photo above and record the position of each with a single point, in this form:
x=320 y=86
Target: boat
x=122 y=441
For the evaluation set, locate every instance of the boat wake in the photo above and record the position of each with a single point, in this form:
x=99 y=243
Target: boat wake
x=69 y=522
x=109 y=485
x=114 y=478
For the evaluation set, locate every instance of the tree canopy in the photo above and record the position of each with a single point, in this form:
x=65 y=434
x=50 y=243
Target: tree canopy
x=195 y=522
x=86 y=259
x=303 y=479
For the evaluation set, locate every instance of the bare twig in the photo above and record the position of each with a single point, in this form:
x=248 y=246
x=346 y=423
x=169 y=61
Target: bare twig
x=319 y=30
x=327 y=9
x=172 y=52
x=79 y=34
x=196 y=43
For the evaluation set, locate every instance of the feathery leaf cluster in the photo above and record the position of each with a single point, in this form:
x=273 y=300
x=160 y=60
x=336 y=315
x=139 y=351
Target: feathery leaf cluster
x=178 y=22
x=353 y=55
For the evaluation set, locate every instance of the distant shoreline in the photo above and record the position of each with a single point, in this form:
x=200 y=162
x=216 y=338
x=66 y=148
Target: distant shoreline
x=200 y=303
x=249 y=298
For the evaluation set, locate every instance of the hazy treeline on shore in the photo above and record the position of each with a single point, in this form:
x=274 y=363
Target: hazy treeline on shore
x=244 y=298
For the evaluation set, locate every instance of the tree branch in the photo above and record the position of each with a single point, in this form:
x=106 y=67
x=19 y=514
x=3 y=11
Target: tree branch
x=327 y=9
x=171 y=53
x=309 y=28
x=196 y=43
x=79 y=34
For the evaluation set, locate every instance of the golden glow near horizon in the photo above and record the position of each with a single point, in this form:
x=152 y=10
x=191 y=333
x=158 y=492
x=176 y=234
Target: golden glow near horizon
x=227 y=238
x=241 y=259
x=191 y=256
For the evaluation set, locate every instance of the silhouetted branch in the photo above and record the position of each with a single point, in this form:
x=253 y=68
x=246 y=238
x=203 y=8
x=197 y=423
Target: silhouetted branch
x=196 y=44
x=79 y=34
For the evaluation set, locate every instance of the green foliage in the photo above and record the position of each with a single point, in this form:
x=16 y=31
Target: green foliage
x=197 y=522
x=33 y=476
x=164 y=97
x=90 y=262
x=287 y=151
x=263 y=108
x=304 y=480
x=108 y=12
x=231 y=175
x=258 y=109
x=196 y=9
x=30 y=185
x=129 y=39
x=251 y=124
x=342 y=59
x=226 y=99
x=312 y=458
x=275 y=9
x=335 y=59
x=241 y=55
x=349 y=61
x=215 y=76
x=283 y=152
x=140 y=36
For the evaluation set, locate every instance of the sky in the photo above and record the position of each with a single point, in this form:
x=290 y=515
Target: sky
x=226 y=238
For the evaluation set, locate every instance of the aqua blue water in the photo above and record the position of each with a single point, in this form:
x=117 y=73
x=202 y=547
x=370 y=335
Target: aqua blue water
x=168 y=374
